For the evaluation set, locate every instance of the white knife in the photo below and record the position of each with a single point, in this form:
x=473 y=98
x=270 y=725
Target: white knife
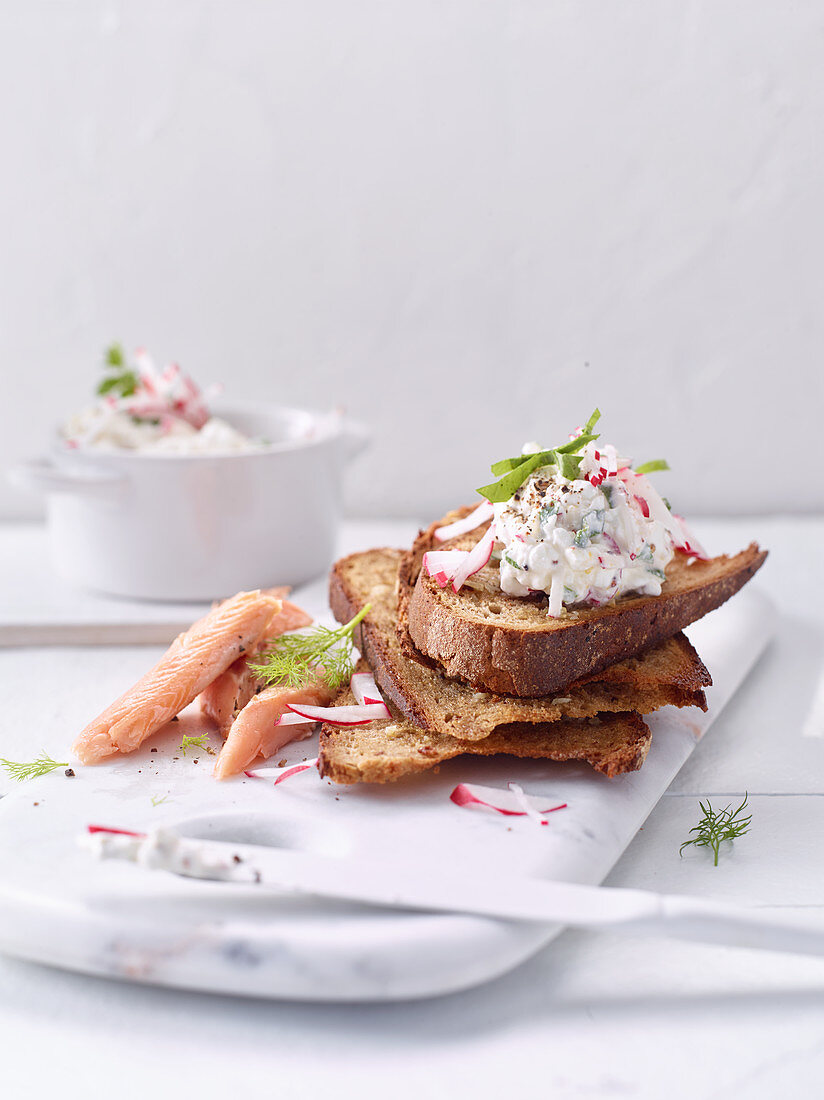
x=519 y=899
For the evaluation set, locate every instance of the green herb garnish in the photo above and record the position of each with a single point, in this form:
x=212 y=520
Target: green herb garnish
x=33 y=770
x=513 y=472
x=716 y=826
x=295 y=658
x=198 y=742
x=160 y=801
x=651 y=467
x=512 y=562
x=121 y=380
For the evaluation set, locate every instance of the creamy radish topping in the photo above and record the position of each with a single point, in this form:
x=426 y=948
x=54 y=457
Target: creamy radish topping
x=590 y=538
x=146 y=410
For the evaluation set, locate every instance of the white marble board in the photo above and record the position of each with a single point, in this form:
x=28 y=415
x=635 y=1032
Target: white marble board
x=58 y=906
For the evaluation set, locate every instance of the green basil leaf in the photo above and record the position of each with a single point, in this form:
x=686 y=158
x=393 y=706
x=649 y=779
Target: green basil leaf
x=651 y=467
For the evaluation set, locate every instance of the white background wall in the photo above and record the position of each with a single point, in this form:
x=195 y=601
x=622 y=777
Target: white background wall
x=468 y=220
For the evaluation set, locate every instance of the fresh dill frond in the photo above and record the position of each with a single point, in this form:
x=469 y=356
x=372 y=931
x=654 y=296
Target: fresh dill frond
x=159 y=801
x=198 y=742
x=716 y=826
x=295 y=658
x=32 y=770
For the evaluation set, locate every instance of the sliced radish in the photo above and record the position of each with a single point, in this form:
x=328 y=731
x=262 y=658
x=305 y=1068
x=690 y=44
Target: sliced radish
x=280 y=774
x=476 y=559
x=653 y=507
x=690 y=543
x=365 y=689
x=106 y=829
x=512 y=803
x=289 y=719
x=556 y=595
x=479 y=515
x=444 y=563
x=343 y=716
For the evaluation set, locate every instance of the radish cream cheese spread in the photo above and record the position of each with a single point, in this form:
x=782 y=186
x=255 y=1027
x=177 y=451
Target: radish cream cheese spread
x=576 y=522
x=578 y=541
x=141 y=408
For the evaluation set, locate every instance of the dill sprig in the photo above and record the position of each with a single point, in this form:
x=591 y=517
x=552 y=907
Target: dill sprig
x=716 y=826
x=295 y=658
x=159 y=801
x=32 y=770
x=198 y=742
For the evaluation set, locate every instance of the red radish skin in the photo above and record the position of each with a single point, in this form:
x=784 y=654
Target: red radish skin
x=255 y=731
x=343 y=716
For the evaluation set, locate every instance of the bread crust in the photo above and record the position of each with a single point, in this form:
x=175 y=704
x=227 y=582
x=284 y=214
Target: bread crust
x=669 y=674
x=394 y=748
x=519 y=651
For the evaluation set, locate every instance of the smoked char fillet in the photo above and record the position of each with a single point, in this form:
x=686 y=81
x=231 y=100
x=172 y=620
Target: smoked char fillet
x=194 y=659
x=229 y=693
x=255 y=731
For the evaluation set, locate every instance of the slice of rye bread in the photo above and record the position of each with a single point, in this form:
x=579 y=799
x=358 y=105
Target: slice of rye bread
x=507 y=644
x=391 y=748
x=672 y=673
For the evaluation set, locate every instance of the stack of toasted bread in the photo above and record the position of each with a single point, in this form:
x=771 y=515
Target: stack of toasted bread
x=481 y=672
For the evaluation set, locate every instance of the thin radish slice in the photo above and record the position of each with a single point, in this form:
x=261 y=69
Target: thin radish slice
x=689 y=543
x=289 y=719
x=343 y=716
x=280 y=774
x=512 y=803
x=531 y=813
x=444 y=563
x=476 y=559
x=556 y=595
x=365 y=689
x=479 y=515
x=107 y=829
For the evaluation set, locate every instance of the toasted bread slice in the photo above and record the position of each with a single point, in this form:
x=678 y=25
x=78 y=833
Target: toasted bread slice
x=507 y=644
x=393 y=747
x=672 y=673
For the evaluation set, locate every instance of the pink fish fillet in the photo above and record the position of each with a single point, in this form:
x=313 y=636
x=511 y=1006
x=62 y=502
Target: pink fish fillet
x=232 y=690
x=193 y=660
x=255 y=733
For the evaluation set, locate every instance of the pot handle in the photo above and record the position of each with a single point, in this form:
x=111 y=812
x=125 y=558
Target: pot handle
x=356 y=438
x=41 y=475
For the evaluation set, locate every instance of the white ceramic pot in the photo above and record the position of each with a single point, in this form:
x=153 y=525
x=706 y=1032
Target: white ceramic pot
x=199 y=527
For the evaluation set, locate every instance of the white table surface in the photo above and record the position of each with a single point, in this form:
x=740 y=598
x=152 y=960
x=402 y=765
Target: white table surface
x=592 y=1015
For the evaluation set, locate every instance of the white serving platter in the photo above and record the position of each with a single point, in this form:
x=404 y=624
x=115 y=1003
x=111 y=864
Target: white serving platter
x=59 y=906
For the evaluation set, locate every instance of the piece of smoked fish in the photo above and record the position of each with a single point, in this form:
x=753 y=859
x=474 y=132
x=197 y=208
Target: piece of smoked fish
x=255 y=731
x=193 y=660
x=231 y=691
